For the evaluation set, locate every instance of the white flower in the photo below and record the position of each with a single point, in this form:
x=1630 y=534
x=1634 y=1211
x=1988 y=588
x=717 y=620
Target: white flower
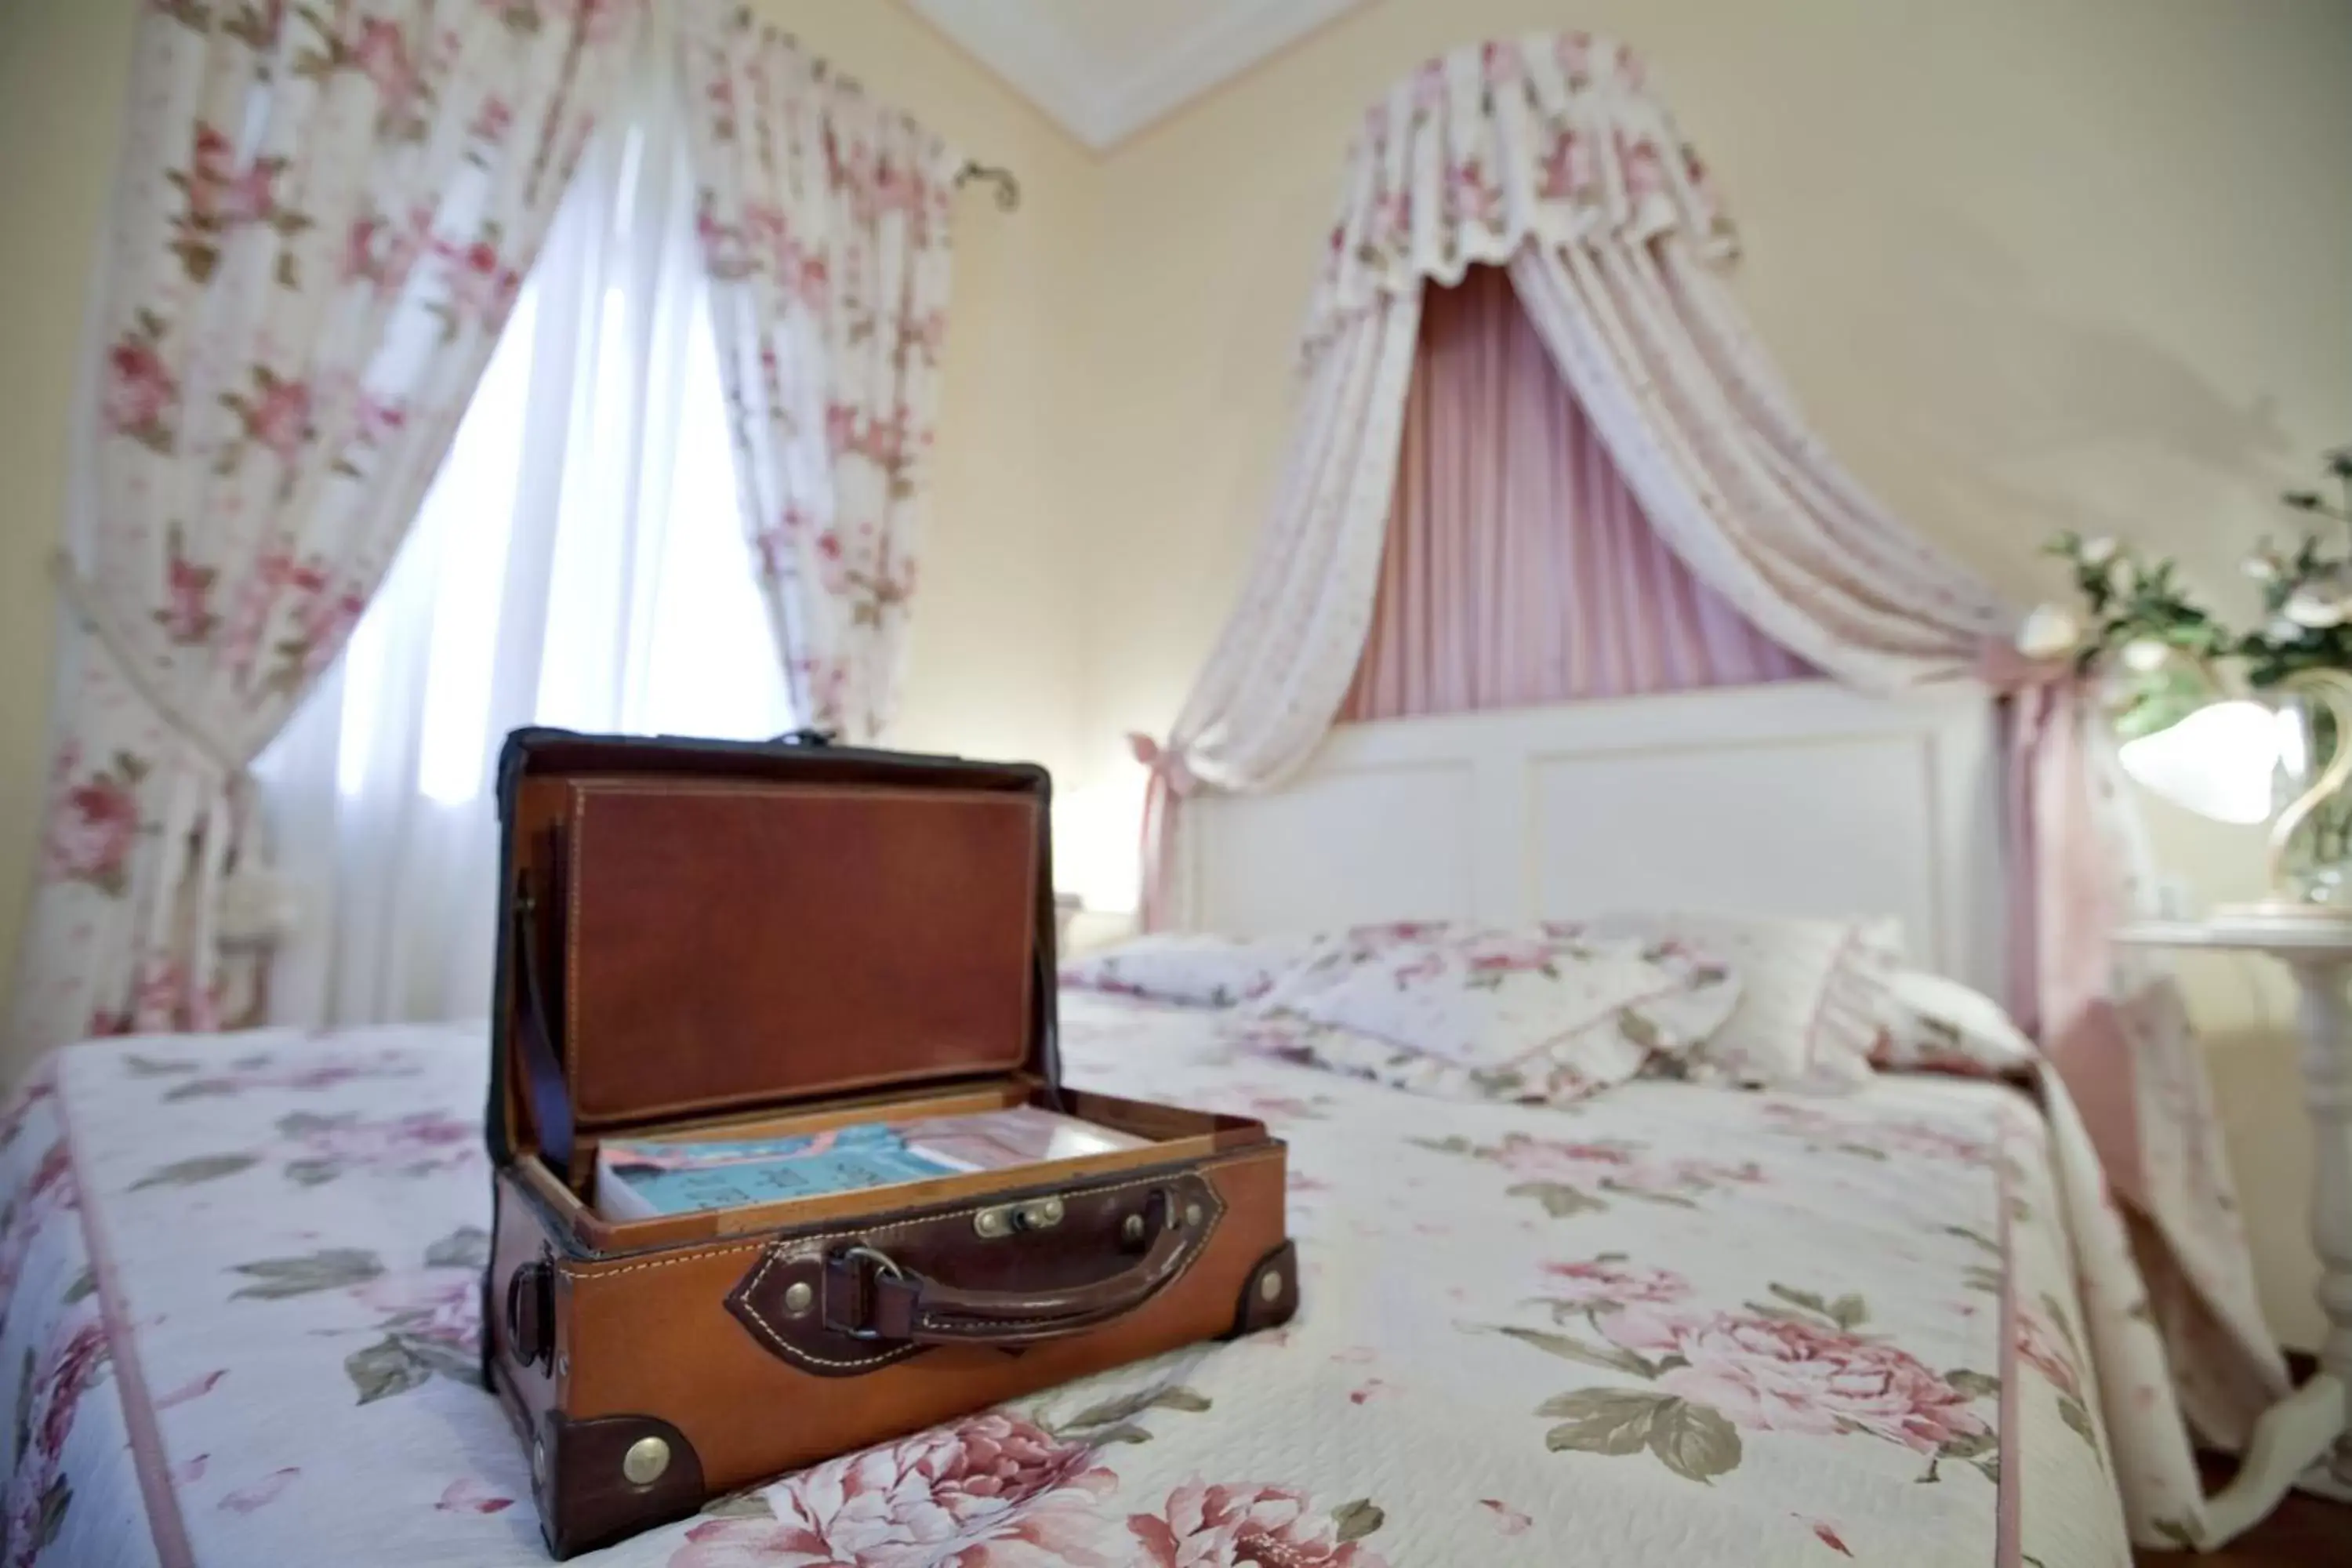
x=2281 y=629
x=2313 y=604
x=2261 y=568
x=2096 y=552
x=2049 y=632
x=2146 y=656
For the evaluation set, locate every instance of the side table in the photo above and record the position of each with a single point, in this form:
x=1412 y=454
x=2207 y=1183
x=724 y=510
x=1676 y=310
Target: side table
x=2305 y=1441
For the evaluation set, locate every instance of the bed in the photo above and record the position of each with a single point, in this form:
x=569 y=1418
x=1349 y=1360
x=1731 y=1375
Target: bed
x=1669 y=1324
x=1675 y=1325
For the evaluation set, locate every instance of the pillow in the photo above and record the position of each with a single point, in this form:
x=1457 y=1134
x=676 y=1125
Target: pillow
x=1810 y=992
x=1929 y=1024
x=1287 y=1036
x=1194 y=970
x=1532 y=1015
x=1325 y=960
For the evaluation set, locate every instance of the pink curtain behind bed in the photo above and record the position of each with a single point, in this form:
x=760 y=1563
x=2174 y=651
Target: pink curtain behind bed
x=1518 y=568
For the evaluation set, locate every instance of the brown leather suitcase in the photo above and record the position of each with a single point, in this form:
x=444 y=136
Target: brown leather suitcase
x=768 y=939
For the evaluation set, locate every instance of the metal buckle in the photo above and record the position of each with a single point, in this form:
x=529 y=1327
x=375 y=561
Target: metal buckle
x=884 y=1264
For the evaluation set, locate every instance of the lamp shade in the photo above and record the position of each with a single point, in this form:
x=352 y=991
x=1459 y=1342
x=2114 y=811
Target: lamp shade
x=2218 y=761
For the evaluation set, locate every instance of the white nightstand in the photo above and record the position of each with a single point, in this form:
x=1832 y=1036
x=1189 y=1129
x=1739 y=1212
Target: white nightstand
x=2306 y=1439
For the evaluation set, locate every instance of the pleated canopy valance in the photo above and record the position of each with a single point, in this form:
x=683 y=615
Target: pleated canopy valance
x=1551 y=136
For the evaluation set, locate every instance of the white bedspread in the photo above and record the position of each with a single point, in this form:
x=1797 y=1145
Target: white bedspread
x=1673 y=1325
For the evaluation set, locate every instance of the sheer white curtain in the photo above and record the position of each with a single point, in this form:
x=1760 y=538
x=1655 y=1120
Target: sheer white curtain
x=579 y=562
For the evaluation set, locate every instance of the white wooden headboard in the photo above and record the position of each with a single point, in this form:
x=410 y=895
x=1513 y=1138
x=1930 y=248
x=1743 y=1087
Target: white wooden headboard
x=1798 y=798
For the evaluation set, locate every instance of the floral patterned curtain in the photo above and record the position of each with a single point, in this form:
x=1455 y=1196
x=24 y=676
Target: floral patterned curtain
x=323 y=217
x=824 y=217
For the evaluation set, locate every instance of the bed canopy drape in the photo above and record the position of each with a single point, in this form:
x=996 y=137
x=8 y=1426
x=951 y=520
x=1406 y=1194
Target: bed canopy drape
x=1551 y=156
x=1486 y=600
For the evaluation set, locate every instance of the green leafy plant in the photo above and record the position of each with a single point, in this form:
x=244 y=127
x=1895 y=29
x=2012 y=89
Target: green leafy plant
x=2162 y=649
x=2307 y=595
x=2132 y=601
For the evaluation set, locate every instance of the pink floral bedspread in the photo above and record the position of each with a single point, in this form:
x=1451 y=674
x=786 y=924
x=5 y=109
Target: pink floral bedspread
x=1671 y=1325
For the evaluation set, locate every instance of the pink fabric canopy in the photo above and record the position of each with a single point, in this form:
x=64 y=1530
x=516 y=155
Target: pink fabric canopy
x=1517 y=567
x=1552 y=157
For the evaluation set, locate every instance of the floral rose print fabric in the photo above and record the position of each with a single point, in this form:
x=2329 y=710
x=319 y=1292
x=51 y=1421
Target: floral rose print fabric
x=992 y=1488
x=1929 y=1024
x=324 y=215
x=1731 y=1327
x=824 y=217
x=1537 y=1015
x=60 y=1472
x=1194 y=969
x=1545 y=137
x=1812 y=998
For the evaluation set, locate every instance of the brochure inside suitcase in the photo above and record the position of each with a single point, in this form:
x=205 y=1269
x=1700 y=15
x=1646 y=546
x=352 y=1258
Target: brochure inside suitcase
x=712 y=941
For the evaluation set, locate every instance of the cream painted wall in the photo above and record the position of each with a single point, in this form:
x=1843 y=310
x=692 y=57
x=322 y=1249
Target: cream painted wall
x=63 y=67
x=994 y=654
x=2031 y=264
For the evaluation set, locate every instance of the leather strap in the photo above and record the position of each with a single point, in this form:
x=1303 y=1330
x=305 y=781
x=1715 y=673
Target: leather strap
x=869 y=1296
x=550 y=1102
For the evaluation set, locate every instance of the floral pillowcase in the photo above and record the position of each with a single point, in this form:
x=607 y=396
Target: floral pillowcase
x=1188 y=969
x=1556 y=1012
x=1813 y=992
x=1537 y=1015
x=1929 y=1024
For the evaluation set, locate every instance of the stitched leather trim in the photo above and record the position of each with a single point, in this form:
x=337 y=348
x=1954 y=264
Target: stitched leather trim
x=797 y=1249
x=594 y=1269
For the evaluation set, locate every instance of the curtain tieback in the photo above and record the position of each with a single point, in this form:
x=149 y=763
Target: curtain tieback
x=83 y=600
x=1166 y=763
x=2009 y=672
x=1171 y=780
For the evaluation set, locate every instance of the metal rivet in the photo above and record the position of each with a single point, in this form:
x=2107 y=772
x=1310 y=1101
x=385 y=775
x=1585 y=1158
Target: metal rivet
x=798 y=1298
x=1192 y=1213
x=563 y=1366
x=1043 y=1215
x=992 y=1223
x=1131 y=1229
x=1269 y=1286
x=646 y=1459
x=539 y=1461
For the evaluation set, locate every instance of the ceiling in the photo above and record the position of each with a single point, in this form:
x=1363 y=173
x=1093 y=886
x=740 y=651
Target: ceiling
x=1105 y=68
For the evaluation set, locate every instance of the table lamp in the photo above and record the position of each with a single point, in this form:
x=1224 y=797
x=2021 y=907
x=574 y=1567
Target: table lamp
x=2220 y=759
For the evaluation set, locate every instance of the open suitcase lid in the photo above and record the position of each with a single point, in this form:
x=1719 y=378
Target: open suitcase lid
x=694 y=928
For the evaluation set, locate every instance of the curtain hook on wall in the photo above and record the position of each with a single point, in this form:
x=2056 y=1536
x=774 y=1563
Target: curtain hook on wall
x=1008 y=189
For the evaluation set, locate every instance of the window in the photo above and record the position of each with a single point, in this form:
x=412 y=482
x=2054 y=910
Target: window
x=578 y=561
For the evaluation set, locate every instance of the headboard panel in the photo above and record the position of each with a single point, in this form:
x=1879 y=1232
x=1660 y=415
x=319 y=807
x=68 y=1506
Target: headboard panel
x=1798 y=798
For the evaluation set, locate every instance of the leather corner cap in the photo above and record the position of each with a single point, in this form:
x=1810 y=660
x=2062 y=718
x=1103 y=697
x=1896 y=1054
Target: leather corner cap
x=598 y=1481
x=744 y=942
x=1270 y=1293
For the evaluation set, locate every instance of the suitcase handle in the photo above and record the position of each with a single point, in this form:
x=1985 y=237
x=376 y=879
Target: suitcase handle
x=868 y=1296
